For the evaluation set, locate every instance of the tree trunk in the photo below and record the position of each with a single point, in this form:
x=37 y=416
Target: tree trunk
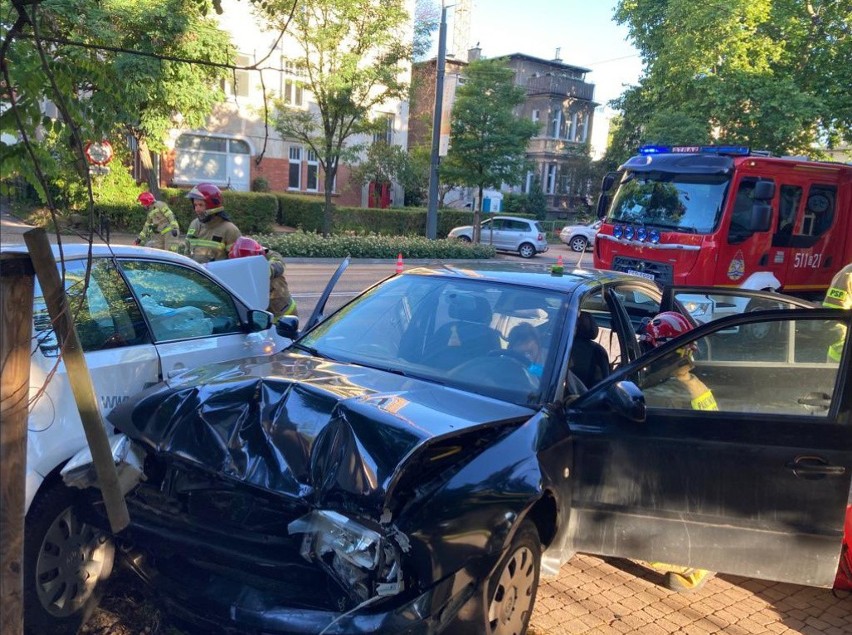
x=477 y=218
x=150 y=170
x=327 y=210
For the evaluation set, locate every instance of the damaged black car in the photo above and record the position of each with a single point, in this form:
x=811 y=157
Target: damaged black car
x=418 y=459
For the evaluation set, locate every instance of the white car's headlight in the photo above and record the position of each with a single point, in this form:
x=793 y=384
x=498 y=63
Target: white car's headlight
x=699 y=310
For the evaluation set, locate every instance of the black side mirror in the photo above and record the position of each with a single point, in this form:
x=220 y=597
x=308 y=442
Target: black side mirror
x=764 y=191
x=259 y=320
x=603 y=205
x=608 y=181
x=625 y=398
x=288 y=326
x=761 y=217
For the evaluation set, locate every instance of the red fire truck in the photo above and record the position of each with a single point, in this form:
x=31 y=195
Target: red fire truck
x=714 y=215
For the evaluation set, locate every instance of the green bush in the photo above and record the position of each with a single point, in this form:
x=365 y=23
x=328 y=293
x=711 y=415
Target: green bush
x=252 y=212
x=312 y=245
x=306 y=213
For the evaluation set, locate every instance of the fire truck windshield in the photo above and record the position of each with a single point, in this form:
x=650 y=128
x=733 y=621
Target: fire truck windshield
x=675 y=202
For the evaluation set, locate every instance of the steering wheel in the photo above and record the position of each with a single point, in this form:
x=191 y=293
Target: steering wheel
x=498 y=369
x=510 y=354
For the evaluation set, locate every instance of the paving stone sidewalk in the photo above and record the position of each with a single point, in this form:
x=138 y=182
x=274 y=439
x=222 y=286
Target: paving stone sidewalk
x=594 y=596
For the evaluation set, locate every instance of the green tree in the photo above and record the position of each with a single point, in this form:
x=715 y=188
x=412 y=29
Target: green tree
x=354 y=54
x=102 y=64
x=488 y=141
x=772 y=74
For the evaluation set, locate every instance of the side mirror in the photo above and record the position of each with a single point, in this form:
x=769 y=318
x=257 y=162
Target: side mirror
x=259 y=320
x=608 y=181
x=623 y=398
x=603 y=204
x=764 y=191
x=761 y=217
x=288 y=326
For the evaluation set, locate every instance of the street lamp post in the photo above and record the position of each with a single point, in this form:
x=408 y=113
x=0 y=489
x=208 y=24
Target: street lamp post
x=432 y=208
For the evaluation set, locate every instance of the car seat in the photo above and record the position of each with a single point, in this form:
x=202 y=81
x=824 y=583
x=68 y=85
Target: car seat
x=468 y=335
x=589 y=360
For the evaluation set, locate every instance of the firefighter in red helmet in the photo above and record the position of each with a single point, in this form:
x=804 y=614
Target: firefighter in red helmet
x=280 y=300
x=211 y=234
x=669 y=383
x=161 y=229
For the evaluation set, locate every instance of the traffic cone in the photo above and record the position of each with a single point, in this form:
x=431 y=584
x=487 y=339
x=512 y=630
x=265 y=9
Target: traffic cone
x=558 y=268
x=399 y=263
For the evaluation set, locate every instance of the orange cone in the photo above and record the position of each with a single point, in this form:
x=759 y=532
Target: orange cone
x=559 y=261
x=558 y=268
x=399 y=263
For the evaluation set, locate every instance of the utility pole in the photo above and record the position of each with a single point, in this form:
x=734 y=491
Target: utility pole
x=432 y=208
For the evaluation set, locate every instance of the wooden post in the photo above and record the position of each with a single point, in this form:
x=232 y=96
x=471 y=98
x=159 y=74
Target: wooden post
x=16 y=319
x=78 y=376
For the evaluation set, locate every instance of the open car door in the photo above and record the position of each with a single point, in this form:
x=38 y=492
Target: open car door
x=756 y=487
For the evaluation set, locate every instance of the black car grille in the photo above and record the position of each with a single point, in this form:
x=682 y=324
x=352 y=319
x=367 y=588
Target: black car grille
x=663 y=273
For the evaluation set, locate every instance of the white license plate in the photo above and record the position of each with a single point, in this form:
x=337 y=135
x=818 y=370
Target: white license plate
x=641 y=274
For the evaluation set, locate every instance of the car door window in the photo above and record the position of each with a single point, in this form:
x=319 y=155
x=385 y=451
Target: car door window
x=105 y=314
x=791 y=372
x=180 y=303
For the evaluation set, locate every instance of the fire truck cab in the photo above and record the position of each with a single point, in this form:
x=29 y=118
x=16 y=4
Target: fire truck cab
x=727 y=216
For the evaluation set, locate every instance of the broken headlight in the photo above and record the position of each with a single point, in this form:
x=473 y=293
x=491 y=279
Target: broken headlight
x=364 y=561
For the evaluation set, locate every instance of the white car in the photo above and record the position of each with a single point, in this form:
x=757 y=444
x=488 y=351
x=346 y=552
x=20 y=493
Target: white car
x=507 y=233
x=144 y=316
x=580 y=237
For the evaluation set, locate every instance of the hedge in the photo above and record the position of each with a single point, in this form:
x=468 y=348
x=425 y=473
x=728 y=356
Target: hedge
x=313 y=245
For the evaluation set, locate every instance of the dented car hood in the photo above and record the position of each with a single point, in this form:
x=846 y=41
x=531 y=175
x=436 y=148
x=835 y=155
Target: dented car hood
x=306 y=427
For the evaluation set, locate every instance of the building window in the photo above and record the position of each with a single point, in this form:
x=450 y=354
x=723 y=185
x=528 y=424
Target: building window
x=313 y=172
x=292 y=80
x=385 y=134
x=215 y=159
x=551 y=178
x=237 y=85
x=294 y=179
x=536 y=114
x=529 y=182
x=556 y=123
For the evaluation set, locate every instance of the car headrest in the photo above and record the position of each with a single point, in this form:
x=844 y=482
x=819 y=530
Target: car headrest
x=469 y=308
x=587 y=328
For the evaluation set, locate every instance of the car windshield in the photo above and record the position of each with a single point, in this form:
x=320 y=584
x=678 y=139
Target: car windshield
x=681 y=202
x=489 y=338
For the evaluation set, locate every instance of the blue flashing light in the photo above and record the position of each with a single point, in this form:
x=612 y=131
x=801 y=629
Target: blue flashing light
x=655 y=149
x=641 y=233
x=628 y=233
x=618 y=231
x=654 y=236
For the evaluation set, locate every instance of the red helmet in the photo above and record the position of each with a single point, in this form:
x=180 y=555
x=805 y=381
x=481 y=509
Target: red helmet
x=663 y=327
x=245 y=246
x=209 y=193
x=146 y=198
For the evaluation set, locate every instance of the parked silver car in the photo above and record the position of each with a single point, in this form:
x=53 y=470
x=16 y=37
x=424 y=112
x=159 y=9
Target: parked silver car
x=508 y=233
x=580 y=237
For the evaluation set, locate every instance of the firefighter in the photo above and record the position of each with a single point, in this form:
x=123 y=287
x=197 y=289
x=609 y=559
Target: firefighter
x=669 y=383
x=161 y=229
x=839 y=296
x=211 y=234
x=280 y=301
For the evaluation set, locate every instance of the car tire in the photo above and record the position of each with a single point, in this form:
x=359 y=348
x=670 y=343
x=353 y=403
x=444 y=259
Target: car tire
x=759 y=334
x=527 y=250
x=579 y=244
x=65 y=562
x=464 y=239
x=513 y=585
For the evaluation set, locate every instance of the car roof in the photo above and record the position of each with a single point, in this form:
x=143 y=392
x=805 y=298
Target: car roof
x=537 y=276
x=76 y=251
x=530 y=220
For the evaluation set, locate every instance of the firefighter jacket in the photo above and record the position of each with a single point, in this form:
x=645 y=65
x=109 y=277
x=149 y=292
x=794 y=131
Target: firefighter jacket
x=212 y=240
x=280 y=300
x=160 y=228
x=681 y=391
x=839 y=296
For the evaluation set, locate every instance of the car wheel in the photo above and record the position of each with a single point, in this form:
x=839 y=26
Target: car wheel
x=527 y=250
x=65 y=559
x=464 y=239
x=578 y=243
x=764 y=331
x=513 y=585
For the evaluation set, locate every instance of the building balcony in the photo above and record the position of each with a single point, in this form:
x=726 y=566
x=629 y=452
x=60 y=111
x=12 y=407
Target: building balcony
x=553 y=85
x=555 y=147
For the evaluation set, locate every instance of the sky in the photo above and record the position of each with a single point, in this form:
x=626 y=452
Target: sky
x=583 y=30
